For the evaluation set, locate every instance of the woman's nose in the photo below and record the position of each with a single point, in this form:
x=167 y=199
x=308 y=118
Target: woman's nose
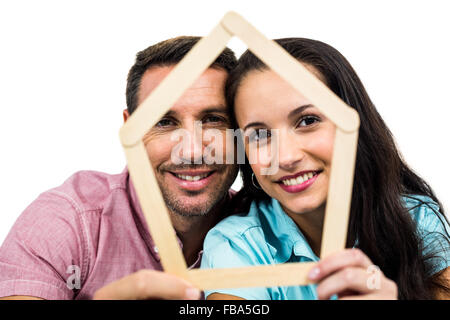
x=290 y=152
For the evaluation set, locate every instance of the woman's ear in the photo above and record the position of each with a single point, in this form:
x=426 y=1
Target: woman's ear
x=125 y=115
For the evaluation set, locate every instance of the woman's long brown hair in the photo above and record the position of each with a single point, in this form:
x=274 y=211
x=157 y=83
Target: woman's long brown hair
x=379 y=224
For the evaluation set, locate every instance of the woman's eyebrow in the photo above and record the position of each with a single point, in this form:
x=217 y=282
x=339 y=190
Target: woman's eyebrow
x=300 y=109
x=290 y=115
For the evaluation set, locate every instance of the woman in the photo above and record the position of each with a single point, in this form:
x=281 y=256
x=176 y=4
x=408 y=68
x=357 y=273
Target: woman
x=396 y=221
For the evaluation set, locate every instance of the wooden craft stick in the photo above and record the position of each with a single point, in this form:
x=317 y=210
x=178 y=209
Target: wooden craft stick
x=257 y=276
x=337 y=212
x=155 y=210
x=275 y=57
x=167 y=93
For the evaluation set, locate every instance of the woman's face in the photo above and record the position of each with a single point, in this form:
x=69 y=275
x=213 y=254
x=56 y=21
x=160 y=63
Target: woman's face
x=264 y=101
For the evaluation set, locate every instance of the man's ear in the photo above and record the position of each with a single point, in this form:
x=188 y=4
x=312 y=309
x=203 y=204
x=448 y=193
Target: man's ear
x=125 y=115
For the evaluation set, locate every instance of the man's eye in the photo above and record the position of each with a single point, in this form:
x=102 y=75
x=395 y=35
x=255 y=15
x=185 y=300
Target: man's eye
x=307 y=121
x=259 y=135
x=165 y=123
x=213 y=119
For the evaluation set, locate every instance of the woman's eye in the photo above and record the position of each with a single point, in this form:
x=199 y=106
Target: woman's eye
x=259 y=135
x=165 y=123
x=307 y=121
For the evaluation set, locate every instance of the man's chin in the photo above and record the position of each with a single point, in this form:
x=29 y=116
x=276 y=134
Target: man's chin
x=192 y=204
x=192 y=198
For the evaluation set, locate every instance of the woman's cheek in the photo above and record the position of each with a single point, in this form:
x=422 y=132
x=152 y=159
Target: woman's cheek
x=322 y=145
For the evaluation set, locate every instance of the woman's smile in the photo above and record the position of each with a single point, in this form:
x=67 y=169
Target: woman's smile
x=298 y=182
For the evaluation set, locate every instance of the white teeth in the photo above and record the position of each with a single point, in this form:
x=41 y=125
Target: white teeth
x=298 y=180
x=191 y=178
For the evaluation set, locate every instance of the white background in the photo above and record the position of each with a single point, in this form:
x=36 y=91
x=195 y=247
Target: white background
x=63 y=68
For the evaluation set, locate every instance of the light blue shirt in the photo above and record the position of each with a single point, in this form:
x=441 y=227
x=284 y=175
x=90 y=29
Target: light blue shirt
x=267 y=235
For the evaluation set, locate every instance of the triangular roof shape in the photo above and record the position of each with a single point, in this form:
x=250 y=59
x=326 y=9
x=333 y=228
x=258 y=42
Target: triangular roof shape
x=199 y=58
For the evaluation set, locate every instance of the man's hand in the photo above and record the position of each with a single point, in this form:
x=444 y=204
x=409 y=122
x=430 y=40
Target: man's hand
x=346 y=274
x=148 y=284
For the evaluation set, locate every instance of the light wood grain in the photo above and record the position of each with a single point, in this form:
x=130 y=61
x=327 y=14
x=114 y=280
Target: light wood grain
x=334 y=234
x=257 y=276
x=155 y=210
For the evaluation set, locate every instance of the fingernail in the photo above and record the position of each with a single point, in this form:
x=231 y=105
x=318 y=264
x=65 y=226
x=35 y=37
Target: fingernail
x=314 y=273
x=192 y=294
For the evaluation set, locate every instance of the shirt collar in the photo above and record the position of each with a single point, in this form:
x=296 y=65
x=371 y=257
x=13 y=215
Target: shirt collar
x=283 y=236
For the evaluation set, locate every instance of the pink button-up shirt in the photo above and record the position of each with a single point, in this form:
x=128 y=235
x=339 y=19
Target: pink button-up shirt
x=76 y=238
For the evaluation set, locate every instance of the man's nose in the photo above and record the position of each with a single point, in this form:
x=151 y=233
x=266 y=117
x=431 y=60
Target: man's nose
x=194 y=148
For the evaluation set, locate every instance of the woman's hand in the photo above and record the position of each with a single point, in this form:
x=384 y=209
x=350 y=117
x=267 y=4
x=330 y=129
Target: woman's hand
x=351 y=275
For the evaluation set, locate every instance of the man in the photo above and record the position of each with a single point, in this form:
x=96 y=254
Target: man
x=88 y=238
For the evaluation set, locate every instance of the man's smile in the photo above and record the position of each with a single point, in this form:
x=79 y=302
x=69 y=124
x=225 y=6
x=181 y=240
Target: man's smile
x=192 y=180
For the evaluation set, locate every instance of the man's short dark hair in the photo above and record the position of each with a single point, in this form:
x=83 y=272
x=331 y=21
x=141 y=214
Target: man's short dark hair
x=167 y=53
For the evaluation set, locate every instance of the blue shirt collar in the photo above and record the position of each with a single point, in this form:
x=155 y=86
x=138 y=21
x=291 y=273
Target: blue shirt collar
x=283 y=235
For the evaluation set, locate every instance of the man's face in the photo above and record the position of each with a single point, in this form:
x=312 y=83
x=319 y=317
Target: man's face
x=191 y=188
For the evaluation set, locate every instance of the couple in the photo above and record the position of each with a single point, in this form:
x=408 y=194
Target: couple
x=88 y=238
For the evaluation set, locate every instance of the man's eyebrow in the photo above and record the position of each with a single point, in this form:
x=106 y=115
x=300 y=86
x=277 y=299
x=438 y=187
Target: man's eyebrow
x=219 y=109
x=216 y=109
x=169 y=113
x=299 y=110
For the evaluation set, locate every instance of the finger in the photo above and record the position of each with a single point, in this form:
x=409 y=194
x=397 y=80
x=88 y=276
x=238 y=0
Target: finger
x=346 y=293
x=361 y=297
x=337 y=261
x=148 y=284
x=154 y=284
x=348 y=279
x=387 y=290
x=372 y=296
